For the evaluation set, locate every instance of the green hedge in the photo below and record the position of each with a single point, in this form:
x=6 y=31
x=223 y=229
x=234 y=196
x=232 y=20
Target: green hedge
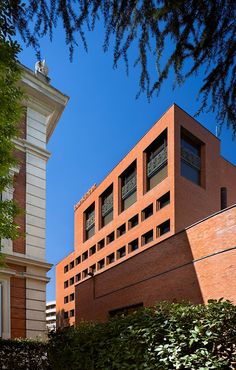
x=168 y=336
x=23 y=354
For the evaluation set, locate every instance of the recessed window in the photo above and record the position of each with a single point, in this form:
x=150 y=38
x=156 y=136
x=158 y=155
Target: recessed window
x=156 y=161
x=121 y=230
x=163 y=228
x=128 y=183
x=133 y=222
x=147 y=212
x=107 y=206
x=110 y=258
x=121 y=252
x=163 y=201
x=72 y=313
x=66 y=315
x=77 y=260
x=66 y=284
x=66 y=299
x=110 y=237
x=92 y=269
x=223 y=198
x=78 y=277
x=72 y=265
x=85 y=273
x=72 y=281
x=101 y=264
x=84 y=255
x=190 y=157
x=147 y=237
x=101 y=244
x=92 y=250
x=133 y=246
x=66 y=268
x=72 y=297
x=89 y=215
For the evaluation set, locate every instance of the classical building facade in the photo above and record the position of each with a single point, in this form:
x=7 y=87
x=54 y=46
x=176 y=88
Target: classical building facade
x=23 y=280
x=172 y=178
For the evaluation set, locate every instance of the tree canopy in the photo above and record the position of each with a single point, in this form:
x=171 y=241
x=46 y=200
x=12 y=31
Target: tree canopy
x=202 y=35
x=10 y=114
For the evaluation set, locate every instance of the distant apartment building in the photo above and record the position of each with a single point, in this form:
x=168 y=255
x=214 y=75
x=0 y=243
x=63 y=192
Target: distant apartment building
x=23 y=280
x=51 y=316
x=133 y=227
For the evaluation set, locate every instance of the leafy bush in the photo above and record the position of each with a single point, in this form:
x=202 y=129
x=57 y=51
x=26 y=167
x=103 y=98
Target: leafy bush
x=168 y=336
x=23 y=354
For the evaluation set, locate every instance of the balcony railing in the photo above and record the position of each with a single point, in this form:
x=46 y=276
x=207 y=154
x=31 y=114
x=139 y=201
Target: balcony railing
x=157 y=162
x=129 y=187
x=191 y=158
x=90 y=222
x=107 y=206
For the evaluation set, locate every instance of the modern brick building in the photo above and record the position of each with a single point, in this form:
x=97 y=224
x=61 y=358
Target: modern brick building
x=132 y=226
x=23 y=280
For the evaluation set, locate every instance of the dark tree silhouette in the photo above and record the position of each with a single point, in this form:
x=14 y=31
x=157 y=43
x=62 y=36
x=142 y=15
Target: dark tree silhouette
x=201 y=32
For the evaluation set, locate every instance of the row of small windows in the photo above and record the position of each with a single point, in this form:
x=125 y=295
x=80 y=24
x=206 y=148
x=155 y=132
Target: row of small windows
x=155 y=160
x=121 y=230
x=120 y=253
x=68 y=314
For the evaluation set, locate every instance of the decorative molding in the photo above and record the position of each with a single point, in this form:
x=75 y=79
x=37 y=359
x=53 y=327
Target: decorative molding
x=25 y=146
x=26 y=261
x=36 y=277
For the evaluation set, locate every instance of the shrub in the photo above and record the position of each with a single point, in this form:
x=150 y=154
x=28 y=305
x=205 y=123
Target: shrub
x=168 y=336
x=23 y=354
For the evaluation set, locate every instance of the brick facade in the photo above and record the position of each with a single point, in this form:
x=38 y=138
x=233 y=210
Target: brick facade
x=189 y=202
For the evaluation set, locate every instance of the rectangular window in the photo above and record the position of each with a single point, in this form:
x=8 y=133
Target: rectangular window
x=107 y=206
x=92 y=269
x=110 y=237
x=133 y=246
x=78 y=277
x=72 y=264
x=101 y=244
x=147 y=237
x=92 y=250
x=72 y=313
x=84 y=255
x=157 y=161
x=72 y=281
x=72 y=297
x=190 y=157
x=163 y=201
x=121 y=230
x=133 y=222
x=163 y=228
x=66 y=284
x=147 y=212
x=101 y=264
x=110 y=258
x=85 y=273
x=89 y=222
x=121 y=252
x=66 y=299
x=128 y=182
x=66 y=315
x=77 y=260
x=66 y=269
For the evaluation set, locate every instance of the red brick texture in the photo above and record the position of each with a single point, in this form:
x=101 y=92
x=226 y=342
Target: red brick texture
x=194 y=265
x=18 y=304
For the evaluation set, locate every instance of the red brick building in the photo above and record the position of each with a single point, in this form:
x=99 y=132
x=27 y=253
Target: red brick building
x=132 y=226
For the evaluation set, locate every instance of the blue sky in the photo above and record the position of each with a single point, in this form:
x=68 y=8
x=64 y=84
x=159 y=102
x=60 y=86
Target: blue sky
x=100 y=124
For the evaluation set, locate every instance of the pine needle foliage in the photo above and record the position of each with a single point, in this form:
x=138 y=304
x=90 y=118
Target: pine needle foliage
x=202 y=34
x=10 y=115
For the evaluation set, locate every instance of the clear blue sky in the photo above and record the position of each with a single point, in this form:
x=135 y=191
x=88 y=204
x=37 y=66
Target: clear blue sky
x=100 y=124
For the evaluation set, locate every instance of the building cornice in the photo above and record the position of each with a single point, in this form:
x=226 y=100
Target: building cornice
x=48 y=100
x=26 y=146
x=26 y=261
